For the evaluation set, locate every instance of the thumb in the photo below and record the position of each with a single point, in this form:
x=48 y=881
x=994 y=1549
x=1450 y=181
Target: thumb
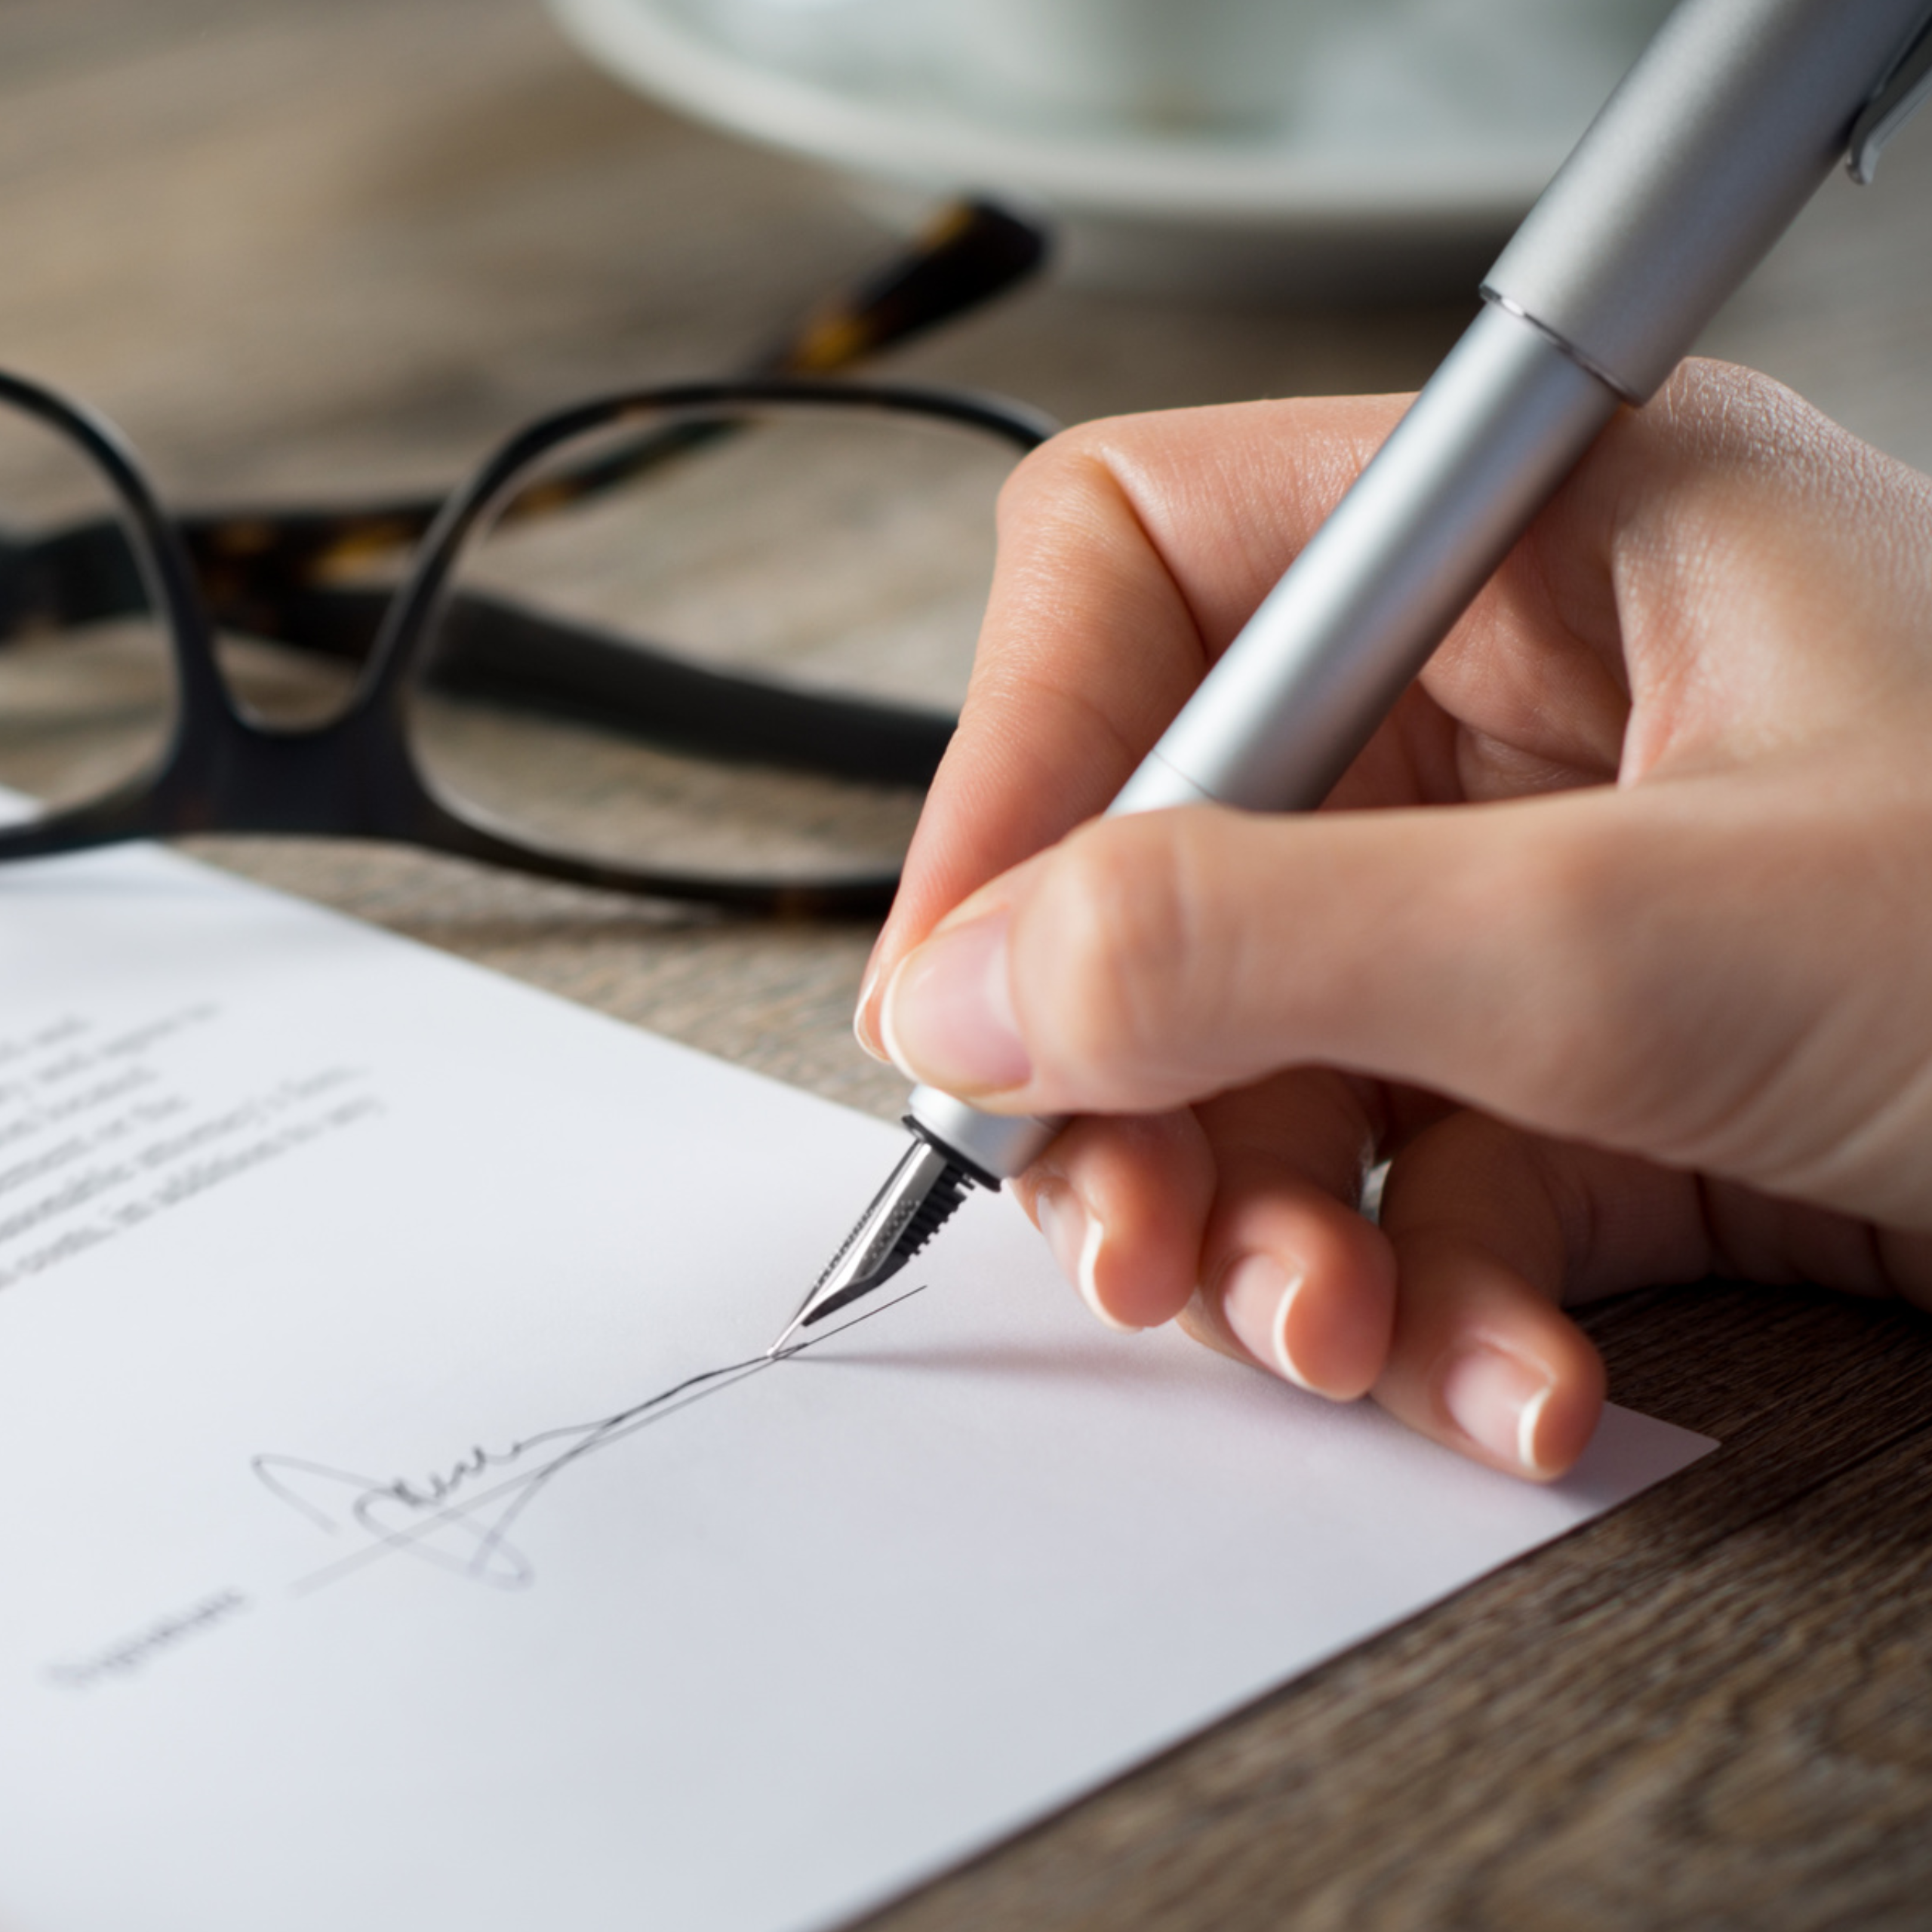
x=1666 y=970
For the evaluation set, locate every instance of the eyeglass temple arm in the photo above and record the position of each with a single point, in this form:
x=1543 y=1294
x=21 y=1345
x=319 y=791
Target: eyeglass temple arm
x=969 y=252
x=491 y=648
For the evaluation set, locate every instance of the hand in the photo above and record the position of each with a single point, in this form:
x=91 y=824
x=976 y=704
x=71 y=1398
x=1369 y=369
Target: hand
x=1617 y=940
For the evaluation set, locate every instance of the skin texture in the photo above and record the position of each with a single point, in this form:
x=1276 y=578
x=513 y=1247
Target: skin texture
x=1617 y=940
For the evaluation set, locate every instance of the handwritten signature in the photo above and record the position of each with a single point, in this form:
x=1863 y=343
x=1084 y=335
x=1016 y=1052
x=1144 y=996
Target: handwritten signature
x=458 y=1517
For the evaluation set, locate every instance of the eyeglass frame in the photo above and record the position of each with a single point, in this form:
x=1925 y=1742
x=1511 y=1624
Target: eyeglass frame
x=353 y=776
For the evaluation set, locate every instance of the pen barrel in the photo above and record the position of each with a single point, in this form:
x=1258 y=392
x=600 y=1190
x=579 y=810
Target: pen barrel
x=1724 y=129
x=1319 y=665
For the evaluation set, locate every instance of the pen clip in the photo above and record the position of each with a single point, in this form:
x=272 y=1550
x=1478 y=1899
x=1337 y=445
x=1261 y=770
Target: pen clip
x=1907 y=89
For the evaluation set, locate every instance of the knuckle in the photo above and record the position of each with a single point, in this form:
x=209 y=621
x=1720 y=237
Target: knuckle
x=1719 y=420
x=1067 y=471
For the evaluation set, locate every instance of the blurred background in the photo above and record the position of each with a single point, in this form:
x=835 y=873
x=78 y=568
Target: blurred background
x=299 y=242
x=312 y=250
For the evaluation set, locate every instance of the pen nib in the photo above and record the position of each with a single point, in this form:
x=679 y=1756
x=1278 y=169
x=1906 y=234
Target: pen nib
x=921 y=1195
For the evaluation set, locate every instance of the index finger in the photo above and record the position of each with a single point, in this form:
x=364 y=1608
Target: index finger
x=1130 y=552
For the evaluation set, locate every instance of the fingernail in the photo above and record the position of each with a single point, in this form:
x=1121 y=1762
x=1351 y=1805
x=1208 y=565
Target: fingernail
x=1497 y=1401
x=1256 y=1298
x=863 y=1028
x=1075 y=1237
x=947 y=1017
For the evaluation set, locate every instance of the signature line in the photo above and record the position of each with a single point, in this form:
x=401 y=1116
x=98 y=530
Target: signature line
x=448 y=1519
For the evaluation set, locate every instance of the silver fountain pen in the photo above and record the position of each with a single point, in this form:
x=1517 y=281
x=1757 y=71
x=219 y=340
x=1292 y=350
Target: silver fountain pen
x=1725 y=127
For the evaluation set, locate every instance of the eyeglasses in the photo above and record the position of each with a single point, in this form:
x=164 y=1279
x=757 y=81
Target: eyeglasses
x=701 y=642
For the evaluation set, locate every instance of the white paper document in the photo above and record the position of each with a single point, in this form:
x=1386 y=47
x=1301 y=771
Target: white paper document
x=402 y=1531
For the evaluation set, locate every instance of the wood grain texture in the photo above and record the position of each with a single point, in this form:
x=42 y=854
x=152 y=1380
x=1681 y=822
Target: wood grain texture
x=313 y=247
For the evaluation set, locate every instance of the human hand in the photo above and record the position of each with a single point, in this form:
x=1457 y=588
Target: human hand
x=1617 y=938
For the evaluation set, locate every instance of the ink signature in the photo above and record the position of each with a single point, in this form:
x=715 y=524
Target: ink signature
x=459 y=1517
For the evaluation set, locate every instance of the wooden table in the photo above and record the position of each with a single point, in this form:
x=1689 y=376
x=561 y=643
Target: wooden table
x=316 y=246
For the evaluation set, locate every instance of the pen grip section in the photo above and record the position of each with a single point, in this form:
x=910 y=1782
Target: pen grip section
x=996 y=1146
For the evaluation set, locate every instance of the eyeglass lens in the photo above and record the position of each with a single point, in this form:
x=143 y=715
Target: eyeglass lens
x=840 y=550
x=87 y=684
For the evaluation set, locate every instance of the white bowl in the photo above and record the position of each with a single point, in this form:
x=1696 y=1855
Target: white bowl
x=1379 y=179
